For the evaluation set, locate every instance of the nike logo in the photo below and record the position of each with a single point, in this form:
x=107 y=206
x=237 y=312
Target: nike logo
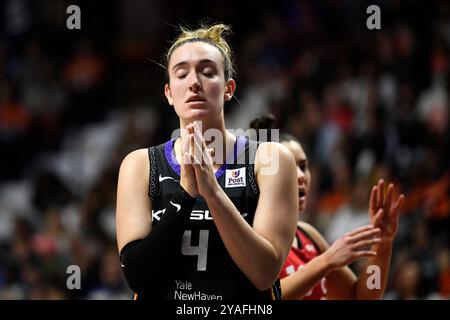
x=166 y=178
x=176 y=206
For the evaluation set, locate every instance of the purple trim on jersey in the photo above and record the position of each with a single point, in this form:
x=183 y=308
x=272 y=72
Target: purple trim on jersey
x=170 y=157
x=172 y=160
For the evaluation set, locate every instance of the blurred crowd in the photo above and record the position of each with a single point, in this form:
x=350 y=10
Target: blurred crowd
x=366 y=104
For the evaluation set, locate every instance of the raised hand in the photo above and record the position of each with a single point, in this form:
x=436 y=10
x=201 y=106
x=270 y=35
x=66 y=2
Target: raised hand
x=187 y=173
x=350 y=246
x=200 y=161
x=383 y=211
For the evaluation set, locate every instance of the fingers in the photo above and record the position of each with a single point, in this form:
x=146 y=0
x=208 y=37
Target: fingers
x=373 y=200
x=198 y=149
x=202 y=153
x=378 y=217
x=394 y=214
x=364 y=254
x=208 y=155
x=199 y=136
x=380 y=196
x=191 y=145
x=186 y=159
x=396 y=211
x=195 y=160
x=364 y=235
x=400 y=202
x=358 y=230
x=389 y=196
x=366 y=242
x=201 y=143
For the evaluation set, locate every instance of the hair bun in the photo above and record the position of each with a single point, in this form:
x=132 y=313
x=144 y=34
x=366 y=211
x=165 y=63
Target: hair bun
x=263 y=122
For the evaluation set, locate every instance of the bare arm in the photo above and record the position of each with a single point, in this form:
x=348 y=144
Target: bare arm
x=331 y=263
x=384 y=213
x=342 y=283
x=133 y=220
x=259 y=251
x=145 y=252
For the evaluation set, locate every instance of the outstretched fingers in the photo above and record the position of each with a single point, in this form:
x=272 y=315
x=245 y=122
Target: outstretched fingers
x=395 y=212
x=366 y=242
x=358 y=230
x=378 y=218
x=373 y=201
x=389 y=196
x=364 y=235
x=364 y=254
x=380 y=195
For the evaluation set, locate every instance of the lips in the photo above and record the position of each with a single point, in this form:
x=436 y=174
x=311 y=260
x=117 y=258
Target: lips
x=302 y=193
x=195 y=99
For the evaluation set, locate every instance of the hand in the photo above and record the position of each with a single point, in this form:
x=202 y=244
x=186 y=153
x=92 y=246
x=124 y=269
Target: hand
x=349 y=247
x=201 y=161
x=187 y=173
x=384 y=212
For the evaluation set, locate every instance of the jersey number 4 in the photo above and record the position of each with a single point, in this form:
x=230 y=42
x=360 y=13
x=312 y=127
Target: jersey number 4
x=201 y=251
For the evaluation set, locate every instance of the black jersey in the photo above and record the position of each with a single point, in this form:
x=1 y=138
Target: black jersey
x=203 y=269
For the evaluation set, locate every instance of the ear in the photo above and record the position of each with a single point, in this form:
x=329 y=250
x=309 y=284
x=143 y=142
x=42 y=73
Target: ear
x=229 y=89
x=168 y=94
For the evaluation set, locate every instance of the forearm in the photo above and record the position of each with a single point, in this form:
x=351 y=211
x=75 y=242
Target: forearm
x=296 y=285
x=255 y=256
x=369 y=286
x=142 y=259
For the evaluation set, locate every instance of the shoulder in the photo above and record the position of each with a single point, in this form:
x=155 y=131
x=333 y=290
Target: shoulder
x=135 y=161
x=273 y=148
x=273 y=154
x=315 y=235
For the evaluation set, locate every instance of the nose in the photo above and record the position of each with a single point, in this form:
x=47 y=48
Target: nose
x=195 y=84
x=301 y=178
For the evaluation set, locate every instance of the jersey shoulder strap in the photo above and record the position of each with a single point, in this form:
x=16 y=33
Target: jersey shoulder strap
x=308 y=236
x=159 y=167
x=251 y=151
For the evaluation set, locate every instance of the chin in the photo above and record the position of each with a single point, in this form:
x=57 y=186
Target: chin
x=195 y=114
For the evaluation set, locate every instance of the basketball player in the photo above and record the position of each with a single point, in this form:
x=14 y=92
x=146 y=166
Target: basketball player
x=314 y=269
x=191 y=228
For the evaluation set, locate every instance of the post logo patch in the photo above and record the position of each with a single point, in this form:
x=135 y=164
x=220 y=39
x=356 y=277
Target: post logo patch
x=235 y=178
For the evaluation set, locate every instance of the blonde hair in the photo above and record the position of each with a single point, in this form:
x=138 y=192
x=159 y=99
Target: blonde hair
x=214 y=35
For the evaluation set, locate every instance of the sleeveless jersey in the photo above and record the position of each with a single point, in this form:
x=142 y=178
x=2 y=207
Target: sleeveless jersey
x=298 y=257
x=204 y=269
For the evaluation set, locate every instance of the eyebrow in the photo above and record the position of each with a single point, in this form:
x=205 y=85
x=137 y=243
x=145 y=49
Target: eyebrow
x=203 y=61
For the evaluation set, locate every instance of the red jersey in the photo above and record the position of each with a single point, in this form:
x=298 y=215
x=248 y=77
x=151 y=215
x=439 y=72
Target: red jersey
x=298 y=257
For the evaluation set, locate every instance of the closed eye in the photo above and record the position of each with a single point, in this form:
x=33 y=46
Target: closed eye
x=209 y=71
x=303 y=165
